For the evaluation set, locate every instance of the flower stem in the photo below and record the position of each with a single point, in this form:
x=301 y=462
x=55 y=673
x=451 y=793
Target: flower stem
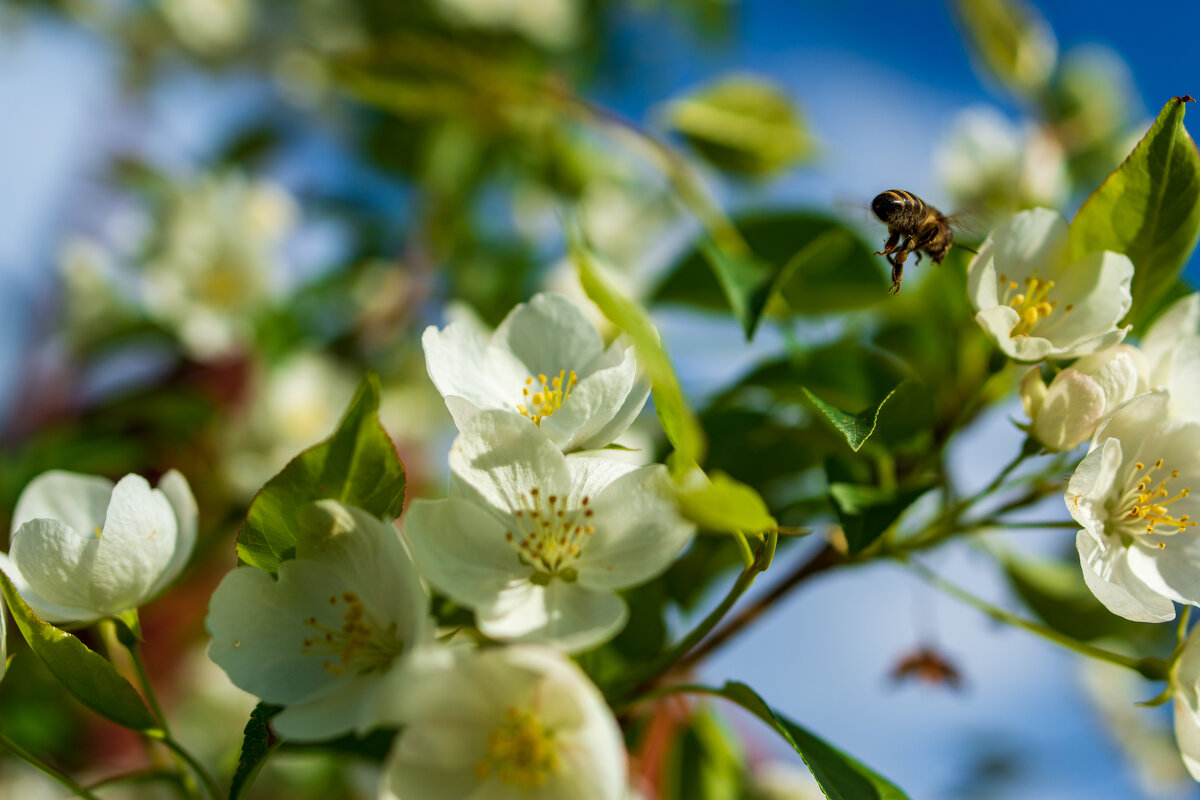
x=41 y=766
x=1151 y=668
x=210 y=786
x=633 y=686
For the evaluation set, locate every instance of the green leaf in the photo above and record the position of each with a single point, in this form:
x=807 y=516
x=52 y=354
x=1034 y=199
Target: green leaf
x=257 y=743
x=813 y=262
x=865 y=512
x=676 y=416
x=1011 y=40
x=717 y=502
x=84 y=673
x=839 y=776
x=857 y=428
x=1148 y=209
x=742 y=124
x=357 y=465
x=1056 y=593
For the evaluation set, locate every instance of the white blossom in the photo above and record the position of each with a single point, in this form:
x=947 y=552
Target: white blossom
x=1139 y=547
x=537 y=543
x=1172 y=350
x=545 y=361
x=208 y=26
x=1066 y=413
x=507 y=723
x=1185 y=690
x=217 y=261
x=1034 y=303
x=332 y=638
x=83 y=548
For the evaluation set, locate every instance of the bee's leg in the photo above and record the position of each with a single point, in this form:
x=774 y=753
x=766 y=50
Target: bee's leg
x=897 y=262
x=890 y=244
x=918 y=254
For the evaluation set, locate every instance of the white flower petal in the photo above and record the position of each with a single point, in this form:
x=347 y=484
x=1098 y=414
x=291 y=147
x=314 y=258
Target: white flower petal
x=1100 y=301
x=549 y=334
x=568 y=616
x=1187 y=735
x=998 y=321
x=78 y=501
x=592 y=406
x=634 y=401
x=263 y=652
x=461 y=363
x=1089 y=486
x=1026 y=242
x=639 y=531
x=1134 y=418
x=500 y=456
x=1180 y=321
x=138 y=542
x=56 y=563
x=1107 y=574
x=369 y=554
x=1176 y=574
x=462 y=551
x=179 y=494
x=330 y=715
x=48 y=611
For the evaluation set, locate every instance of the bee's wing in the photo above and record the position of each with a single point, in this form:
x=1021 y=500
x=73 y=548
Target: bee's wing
x=971 y=227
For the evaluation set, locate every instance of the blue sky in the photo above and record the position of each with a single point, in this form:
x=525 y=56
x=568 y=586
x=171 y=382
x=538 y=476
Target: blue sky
x=879 y=82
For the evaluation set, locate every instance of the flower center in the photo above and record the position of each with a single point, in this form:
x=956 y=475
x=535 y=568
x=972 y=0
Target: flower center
x=547 y=534
x=1031 y=301
x=1143 y=507
x=543 y=397
x=360 y=644
x=520 y=752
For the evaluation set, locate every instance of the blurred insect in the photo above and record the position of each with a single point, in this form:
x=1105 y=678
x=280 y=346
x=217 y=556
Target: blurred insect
x=927 y=666
x=922 y=227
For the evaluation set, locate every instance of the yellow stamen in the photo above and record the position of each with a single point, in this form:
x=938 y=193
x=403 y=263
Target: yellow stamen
x=1146 y=507
x=361 y=643
x=521 y=752
x=1032 y=305
x=547 y=395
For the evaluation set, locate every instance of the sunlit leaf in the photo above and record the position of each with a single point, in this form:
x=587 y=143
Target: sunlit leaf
x=865 y=512
x=357 y=465
x=742 y=124
x=1148 y=209
x=717 y=502
x=676 y=416
x=1011 y=40
x=82 y=672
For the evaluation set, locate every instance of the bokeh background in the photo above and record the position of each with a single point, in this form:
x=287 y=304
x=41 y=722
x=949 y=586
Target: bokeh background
x=139 y=139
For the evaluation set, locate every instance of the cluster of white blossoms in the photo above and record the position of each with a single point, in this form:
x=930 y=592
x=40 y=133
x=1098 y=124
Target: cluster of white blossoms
x=1137 y=406
x=536 y=542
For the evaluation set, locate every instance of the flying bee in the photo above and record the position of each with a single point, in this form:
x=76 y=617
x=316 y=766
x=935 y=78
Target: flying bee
x=922 y=227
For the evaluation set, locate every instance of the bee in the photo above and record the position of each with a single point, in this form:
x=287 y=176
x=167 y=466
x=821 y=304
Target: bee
x=923 y=227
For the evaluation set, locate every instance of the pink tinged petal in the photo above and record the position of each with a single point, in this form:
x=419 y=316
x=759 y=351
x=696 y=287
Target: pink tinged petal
x=568 y=616
x=135 y=548
x=50 y=565
x=548 y=334
x=463 y=551
x=1106 y=572
x=639 y=531
x=78 y=501
x=499 y=457
x=179 y=494
x=1072 y=407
